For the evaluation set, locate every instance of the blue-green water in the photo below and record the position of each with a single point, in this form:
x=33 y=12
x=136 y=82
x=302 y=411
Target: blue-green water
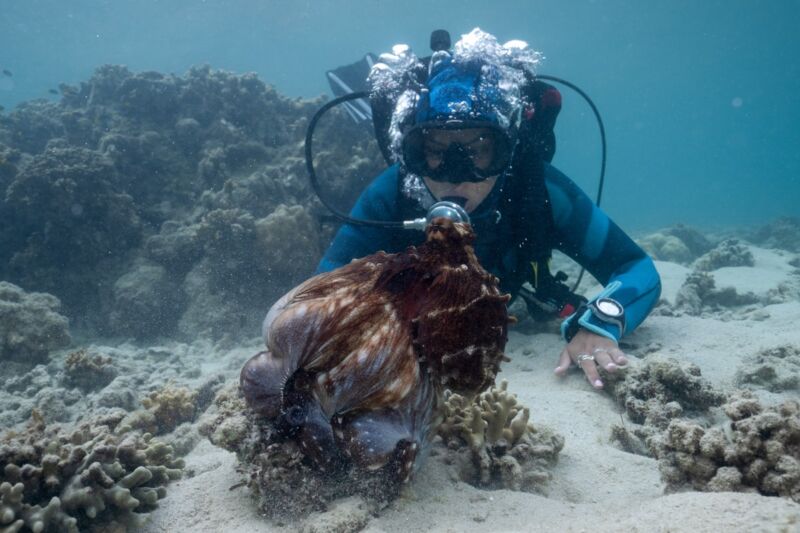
x=700 y=99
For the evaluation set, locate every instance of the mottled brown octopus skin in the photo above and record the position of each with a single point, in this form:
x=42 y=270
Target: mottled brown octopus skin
x=357 y=358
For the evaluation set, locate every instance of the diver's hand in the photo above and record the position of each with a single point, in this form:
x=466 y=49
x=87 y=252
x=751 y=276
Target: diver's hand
x=604 y=351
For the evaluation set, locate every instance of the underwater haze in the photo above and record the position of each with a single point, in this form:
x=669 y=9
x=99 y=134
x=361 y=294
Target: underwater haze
x=156 y=206
x=699 y=98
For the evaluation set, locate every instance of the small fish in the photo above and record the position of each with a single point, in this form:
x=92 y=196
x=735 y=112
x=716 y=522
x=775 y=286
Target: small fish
x=52 y=91
x=7 y=72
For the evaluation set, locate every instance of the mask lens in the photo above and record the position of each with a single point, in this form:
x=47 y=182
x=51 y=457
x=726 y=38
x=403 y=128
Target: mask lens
x=456 y=155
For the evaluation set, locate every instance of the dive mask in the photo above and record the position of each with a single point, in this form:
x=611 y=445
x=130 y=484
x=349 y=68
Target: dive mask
x=458 y=160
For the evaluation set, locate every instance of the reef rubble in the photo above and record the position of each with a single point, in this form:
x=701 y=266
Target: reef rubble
x=654 y=392
x=758 y=448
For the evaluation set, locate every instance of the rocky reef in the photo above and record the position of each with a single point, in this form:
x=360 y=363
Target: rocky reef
x=757 y=449
x=52 y=479
x=284 y=481
x=491 y=442
x=287 y=485
x=96 y=379
x=783 y=233
x=87 y=371
x=730 y=252
x=699 y=294
x=157 y=205
x=652 y=394
x=774 y=369
x=679 y=244
x=31 y=325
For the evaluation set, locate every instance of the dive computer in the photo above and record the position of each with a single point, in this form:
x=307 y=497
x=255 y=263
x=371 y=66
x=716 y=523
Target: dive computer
x=609 y=311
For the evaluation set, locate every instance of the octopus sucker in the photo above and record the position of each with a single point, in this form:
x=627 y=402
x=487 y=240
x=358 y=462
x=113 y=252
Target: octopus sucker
x=357 y=359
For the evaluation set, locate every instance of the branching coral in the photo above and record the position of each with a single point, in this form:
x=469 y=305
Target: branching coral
x=226 y=424
x=30 y=324
x=171 y=406
x=759 y=448
x=492 y=443
x=55 y=480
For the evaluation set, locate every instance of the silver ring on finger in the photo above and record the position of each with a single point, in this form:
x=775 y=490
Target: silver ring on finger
x=598 y=350
x=583 y=357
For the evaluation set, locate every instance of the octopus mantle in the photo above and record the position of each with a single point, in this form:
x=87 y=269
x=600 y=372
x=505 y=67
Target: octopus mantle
x=357 y=358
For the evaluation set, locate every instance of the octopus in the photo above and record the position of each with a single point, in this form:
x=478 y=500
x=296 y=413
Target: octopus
x=357 y=359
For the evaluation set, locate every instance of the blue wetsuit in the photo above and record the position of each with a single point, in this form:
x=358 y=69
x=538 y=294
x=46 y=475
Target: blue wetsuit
x=582 y=231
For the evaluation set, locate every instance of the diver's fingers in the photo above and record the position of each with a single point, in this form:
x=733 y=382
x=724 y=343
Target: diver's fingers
x=618 y=356
x=564 y=362
x=604 y=358
x=590 y=369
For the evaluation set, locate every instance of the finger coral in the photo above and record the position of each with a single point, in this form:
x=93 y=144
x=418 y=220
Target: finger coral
x=493 y=444
x=56 y=480
x=164 y=410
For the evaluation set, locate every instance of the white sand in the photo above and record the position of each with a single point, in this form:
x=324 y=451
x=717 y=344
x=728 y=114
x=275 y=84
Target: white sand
x=595 y=487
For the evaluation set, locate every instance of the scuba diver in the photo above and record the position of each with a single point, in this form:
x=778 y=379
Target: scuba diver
x=473 y=126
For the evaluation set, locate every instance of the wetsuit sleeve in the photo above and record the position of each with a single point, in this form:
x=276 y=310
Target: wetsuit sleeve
x=590 y=237
x=377 y=202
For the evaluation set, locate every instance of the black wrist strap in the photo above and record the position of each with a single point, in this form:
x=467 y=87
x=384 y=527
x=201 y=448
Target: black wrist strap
x=574 y=324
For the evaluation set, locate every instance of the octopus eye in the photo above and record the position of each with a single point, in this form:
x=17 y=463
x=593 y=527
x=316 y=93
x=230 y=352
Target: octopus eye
x=295 y=415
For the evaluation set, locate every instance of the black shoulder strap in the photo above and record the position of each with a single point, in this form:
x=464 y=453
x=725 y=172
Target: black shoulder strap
x=529 y=207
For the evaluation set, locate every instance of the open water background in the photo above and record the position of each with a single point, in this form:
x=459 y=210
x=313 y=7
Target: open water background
x=700 y=99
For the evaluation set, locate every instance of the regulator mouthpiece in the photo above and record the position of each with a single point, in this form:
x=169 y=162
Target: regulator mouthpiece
x=446 y=209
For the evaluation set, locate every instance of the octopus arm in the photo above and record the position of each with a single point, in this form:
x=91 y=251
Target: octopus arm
x=262 y=380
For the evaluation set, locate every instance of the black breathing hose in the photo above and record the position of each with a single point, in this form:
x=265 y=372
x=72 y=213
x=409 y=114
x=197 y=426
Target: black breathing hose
x=602 y=148
x=312 y=175
x=599 y=124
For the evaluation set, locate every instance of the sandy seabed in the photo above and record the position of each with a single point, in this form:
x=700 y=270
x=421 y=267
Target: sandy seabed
x=595 y=486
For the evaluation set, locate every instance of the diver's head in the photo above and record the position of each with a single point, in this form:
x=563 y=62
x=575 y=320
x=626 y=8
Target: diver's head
x=463 y=131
